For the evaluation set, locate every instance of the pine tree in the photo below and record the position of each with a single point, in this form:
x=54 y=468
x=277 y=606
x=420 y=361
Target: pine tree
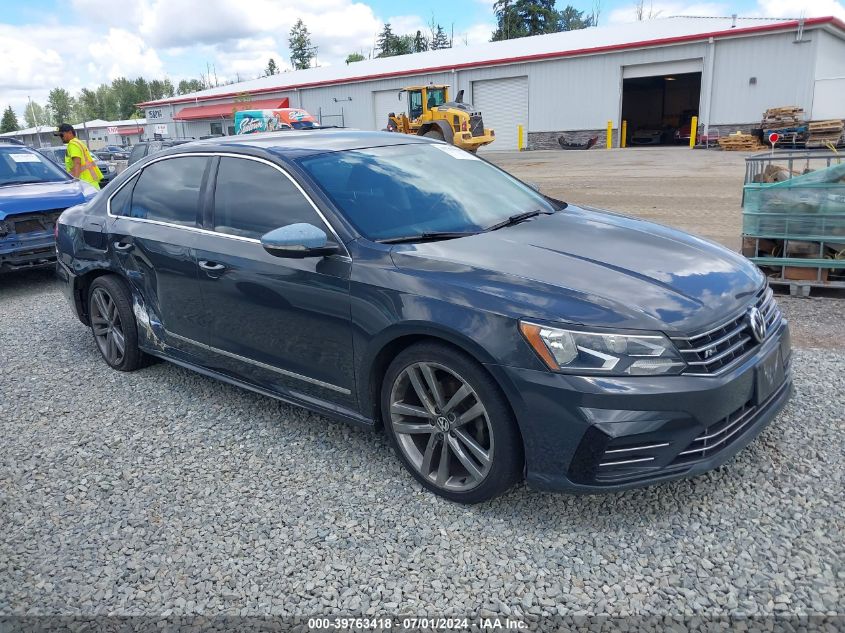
x=9 y=122
x=301 y=51
x=571 y=19
x=386 y=42
x=440 y=40
x=420 y=42
x=271 y=69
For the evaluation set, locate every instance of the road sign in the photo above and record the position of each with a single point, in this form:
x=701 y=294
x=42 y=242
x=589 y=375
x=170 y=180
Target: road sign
x=774 y=137
x=161 y=128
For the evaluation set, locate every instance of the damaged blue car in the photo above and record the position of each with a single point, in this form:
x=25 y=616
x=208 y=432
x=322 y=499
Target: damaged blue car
x=33 y=193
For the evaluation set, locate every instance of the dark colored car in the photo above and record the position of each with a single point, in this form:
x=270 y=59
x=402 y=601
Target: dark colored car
x=146 y=148
x=57 y=154
x=33 y=193
x=495 y=333
x=113 y=152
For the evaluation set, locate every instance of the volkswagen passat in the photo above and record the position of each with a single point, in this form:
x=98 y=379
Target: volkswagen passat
x=494 y=332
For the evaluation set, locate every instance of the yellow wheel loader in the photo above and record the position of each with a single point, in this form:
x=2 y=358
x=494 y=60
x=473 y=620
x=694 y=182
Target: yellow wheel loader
x=430 y=113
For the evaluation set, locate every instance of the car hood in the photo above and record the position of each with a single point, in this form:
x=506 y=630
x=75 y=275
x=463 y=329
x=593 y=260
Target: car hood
x=590 y=267
x=43 y=196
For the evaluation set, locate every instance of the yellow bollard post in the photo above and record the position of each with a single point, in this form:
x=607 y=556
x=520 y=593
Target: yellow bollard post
x=609 y=135
x=623 y=139
x=519 y=137
x=693 y=131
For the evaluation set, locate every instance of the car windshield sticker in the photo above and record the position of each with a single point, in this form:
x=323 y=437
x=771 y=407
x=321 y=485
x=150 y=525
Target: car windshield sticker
x=455 y=152
x=25 y=158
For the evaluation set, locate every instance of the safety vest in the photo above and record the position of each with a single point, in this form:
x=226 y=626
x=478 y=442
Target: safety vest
x=90 y=173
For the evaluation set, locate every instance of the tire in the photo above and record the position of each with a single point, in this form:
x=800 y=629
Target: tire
x=113 y=322
x=435 y=134
x=460 y=441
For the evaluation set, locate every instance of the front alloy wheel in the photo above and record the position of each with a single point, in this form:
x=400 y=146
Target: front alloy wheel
x=450 y=424
x=442 y=426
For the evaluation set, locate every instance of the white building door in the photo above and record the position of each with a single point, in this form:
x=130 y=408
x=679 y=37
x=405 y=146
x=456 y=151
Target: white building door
x=503 y=104
x=385 y=102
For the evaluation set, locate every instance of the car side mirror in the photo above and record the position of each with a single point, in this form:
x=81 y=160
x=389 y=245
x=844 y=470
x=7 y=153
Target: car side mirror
x=297 y=241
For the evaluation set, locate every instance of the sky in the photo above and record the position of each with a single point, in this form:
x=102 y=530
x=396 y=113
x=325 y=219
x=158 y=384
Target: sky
x=79 y=44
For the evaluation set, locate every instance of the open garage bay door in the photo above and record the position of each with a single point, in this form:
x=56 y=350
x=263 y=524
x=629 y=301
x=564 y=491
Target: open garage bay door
x=659 y=100
x=385 y=102
x=503 y=104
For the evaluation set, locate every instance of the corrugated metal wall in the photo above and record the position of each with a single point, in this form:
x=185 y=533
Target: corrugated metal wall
x=583 y=93
x=783 y=72
x=829 y=84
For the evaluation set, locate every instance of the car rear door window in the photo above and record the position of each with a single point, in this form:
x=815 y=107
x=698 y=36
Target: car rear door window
x=169 y=191
x=252 y=198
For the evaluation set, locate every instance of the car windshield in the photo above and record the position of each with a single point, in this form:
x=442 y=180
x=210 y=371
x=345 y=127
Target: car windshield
x=19 y=165
x=407 y=190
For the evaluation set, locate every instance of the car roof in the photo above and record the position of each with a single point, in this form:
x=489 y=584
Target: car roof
x=300 y=142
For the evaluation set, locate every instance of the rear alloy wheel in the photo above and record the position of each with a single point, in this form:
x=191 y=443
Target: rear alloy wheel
x=113 y=324
x=450 y=424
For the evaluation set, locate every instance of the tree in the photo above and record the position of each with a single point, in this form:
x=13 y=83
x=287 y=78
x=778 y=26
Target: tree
x=403 y=45
x=271 y=69
x=126 y=94
x=642 y=13
x=301 y=51
x=187 y=86
x=354 y=57
x=386 y=42
x=522 y=18
x=60 y=104
x=36 y=115
x=420 y=42
x=9 y=123
x=571 y=19
x=439 y=39
x=159 y=89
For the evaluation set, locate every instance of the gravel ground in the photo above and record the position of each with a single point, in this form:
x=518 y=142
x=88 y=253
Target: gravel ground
x=163 y=491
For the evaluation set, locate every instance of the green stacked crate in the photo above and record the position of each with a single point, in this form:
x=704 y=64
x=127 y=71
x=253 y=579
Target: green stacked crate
x=795 y=229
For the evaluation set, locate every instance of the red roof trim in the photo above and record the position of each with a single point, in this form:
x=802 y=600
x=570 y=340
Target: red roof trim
x=128 y=131
x=527 y=58
x=192 y=113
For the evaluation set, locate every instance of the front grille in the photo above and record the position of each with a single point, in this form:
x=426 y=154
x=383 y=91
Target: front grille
x=716 y=350
x=716 y=437
x=35 y=223
x=722 y=434
x=476 y=125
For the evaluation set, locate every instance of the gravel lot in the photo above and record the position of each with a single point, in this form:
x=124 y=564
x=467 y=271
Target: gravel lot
x=166 y=492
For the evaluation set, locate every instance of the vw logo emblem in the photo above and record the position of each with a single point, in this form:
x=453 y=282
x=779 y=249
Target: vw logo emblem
x=757 y=323
x=443 y=424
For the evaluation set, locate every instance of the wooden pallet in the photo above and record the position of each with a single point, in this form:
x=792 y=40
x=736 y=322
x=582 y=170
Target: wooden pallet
x=740 y=143
x=834 y=125
x=787 y=116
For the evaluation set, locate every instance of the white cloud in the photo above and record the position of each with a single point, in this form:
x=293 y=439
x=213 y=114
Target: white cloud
x=123 y=54
x=476 y=34
x=798 y=8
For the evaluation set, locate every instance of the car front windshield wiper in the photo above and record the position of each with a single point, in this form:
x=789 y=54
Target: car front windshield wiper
x=517 y=218
x=426 y=237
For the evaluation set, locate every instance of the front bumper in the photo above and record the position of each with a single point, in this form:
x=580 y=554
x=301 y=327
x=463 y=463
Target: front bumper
x=595 y=434
x=27 y=251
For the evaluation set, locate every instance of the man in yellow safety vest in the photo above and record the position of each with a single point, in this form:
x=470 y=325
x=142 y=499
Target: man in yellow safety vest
x=78 y=160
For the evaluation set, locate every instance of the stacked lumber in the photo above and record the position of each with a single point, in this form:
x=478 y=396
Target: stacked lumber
x=823 y=133
x=784 y=117
x=740 y=142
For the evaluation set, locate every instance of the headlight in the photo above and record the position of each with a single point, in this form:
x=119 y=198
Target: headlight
x=603 y=353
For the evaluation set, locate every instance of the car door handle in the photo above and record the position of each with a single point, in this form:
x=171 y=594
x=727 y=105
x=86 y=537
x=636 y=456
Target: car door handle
x=211 y=266
x=122 y=246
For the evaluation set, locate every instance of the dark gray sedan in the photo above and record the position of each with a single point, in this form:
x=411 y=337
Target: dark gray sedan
x=398 y=282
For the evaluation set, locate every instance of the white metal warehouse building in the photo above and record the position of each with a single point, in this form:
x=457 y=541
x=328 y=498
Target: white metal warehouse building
x=727 y=71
